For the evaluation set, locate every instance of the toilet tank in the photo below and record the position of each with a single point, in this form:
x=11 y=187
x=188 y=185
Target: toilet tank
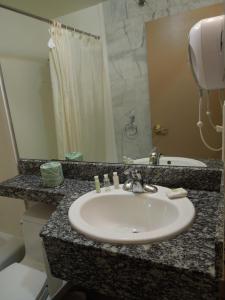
x=32 y=222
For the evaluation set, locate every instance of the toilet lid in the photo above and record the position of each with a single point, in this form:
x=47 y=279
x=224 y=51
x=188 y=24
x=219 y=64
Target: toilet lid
x=20 y=282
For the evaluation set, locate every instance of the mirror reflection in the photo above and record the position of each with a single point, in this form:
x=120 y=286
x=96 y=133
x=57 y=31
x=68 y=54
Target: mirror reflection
x=174 y=108
x=127 y=97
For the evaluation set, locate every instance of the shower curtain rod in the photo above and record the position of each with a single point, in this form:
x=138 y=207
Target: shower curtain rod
x=22 y=12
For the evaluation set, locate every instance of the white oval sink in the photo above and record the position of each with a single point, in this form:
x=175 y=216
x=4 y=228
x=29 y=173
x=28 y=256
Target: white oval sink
x=173 y=161
x=127 y=218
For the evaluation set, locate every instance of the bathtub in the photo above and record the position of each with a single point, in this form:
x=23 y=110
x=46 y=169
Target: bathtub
x=11 y=250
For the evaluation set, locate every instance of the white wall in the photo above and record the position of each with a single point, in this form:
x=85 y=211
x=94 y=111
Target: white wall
x=22 y=36
x=11 y=210
x=89 y=19
x=30 y=101
x=24 y=55
x=50 y=8
x=24 y=59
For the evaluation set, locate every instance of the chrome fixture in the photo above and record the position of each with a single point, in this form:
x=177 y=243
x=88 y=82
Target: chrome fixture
x=131 y=129
x=141 y=2
x=154 y=157
x=135 y=184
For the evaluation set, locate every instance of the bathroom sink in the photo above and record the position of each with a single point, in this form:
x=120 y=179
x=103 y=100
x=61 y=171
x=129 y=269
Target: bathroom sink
x=123 y=217
x=173 y=161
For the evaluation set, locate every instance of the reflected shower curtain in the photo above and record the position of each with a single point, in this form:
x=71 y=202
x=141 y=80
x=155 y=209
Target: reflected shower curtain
x=82 y=105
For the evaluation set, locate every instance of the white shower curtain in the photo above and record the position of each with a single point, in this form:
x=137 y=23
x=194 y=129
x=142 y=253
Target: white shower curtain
x=82 y=106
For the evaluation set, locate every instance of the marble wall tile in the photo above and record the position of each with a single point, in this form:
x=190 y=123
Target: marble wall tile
x=127 y=53
x=125 y=99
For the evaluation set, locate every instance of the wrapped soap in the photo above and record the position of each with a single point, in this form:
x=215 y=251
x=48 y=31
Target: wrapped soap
x=51 y=174
x=74 y=156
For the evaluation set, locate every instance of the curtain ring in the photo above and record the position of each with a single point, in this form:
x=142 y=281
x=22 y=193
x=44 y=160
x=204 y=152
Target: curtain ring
x=59 y=27
x=52 y=28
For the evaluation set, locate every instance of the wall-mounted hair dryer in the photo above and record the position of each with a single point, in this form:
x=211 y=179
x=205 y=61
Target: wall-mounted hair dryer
x=206 y=52
x=207 y=58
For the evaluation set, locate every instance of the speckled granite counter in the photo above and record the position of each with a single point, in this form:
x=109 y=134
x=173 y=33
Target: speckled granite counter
x=186 y=267
x=195 y=178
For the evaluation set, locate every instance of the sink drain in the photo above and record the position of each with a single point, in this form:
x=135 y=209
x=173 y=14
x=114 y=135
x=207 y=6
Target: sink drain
x=135 y=230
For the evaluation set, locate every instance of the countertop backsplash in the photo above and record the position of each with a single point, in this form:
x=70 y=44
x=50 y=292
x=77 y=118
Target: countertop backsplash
x=208 y=179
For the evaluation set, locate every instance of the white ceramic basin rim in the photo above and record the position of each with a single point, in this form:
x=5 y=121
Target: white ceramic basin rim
x=173 y=161
x=123 y=217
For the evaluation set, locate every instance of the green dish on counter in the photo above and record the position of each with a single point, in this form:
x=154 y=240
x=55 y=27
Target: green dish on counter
x=51 y=174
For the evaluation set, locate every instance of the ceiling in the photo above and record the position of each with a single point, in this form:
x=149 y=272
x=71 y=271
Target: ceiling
x=50 y=8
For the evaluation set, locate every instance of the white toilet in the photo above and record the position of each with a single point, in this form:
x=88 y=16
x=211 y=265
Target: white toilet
x=27 y=280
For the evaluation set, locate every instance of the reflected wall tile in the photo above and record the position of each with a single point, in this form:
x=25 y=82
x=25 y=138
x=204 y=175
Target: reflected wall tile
x=150 y=8
x=129 y=92
x=115 y=11
x=128 y=67
x=127 y=36
x=132 y=97
x=127 y=50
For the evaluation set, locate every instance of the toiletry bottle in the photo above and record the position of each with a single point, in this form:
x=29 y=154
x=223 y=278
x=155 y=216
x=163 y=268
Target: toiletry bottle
x=97 y=185
x=116 y=181
x=106 y=182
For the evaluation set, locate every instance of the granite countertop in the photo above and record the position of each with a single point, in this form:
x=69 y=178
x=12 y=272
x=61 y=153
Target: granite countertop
x=193 y=260
x=193 y=249
x=213 y=163
x=195 y=256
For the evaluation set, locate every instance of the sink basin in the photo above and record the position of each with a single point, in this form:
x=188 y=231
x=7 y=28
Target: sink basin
x=173 y=161
x=123 y=217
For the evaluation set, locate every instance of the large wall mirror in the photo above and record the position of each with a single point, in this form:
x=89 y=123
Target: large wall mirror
x=149 y=99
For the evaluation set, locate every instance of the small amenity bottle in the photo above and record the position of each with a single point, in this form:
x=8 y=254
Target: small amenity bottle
x=97 y=185
x=106 y=182
x=116 y=181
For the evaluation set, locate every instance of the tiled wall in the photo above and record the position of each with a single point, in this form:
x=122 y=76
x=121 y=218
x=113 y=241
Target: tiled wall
x=126 y=43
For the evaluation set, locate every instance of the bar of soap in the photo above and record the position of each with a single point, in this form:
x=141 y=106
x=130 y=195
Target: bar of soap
x=177 y=193
x=52 y=174
x=75 y=156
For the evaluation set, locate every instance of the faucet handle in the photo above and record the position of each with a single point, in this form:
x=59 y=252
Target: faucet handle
x=154 y=150
x=133 y=174
x=128 y=172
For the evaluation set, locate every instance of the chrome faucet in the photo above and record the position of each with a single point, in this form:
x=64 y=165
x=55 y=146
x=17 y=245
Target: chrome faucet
x=154 y=157
x=135 y=184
